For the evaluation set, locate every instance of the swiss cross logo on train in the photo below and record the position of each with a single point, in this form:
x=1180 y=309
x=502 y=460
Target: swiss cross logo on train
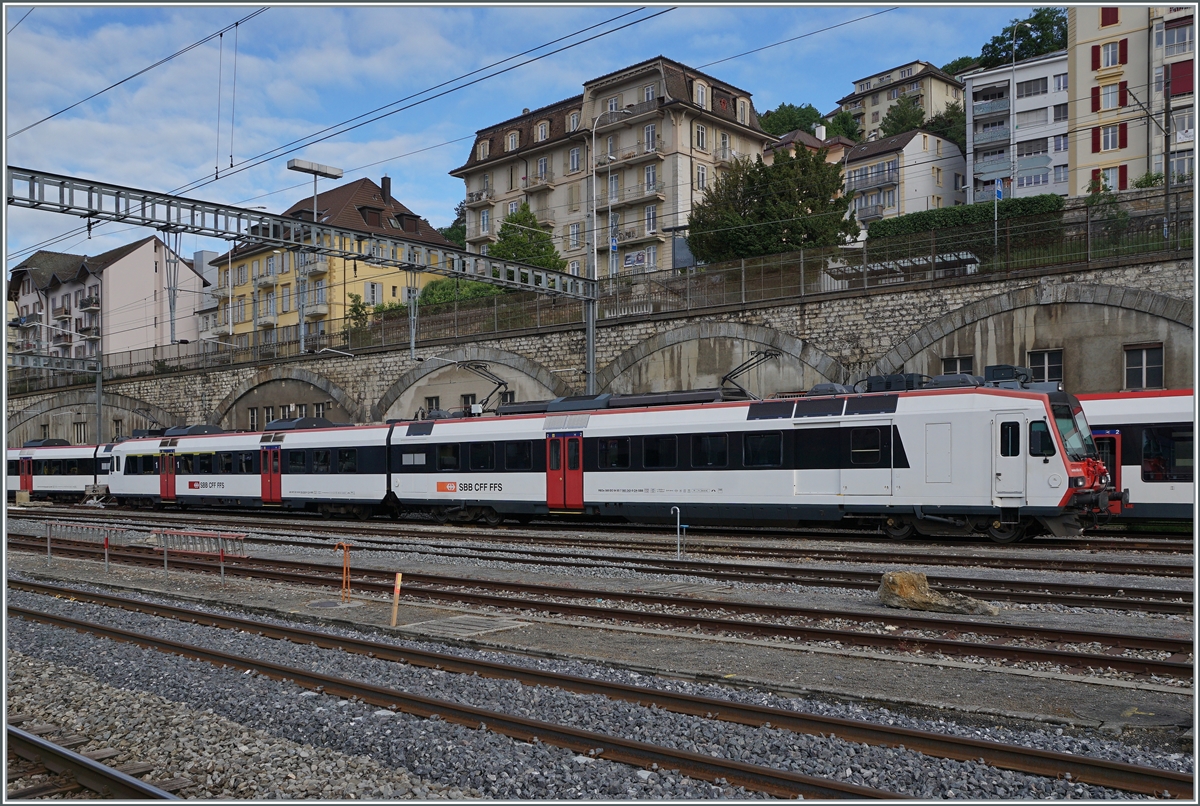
x=447 y=486
x=193 y=485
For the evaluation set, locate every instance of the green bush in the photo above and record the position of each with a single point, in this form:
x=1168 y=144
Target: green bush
x=964 y=215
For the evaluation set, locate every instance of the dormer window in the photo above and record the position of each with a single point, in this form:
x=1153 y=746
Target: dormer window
x=514 y=140
x=574 y=121
x=648 y=92
x=481 y=150
x=701 y=95
x=372 y=216
x=743 y=112
x=863 y=87
x=543 y=131
x=906 y=72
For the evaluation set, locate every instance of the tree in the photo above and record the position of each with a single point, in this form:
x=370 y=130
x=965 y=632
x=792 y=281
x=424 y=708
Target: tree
x=759 y=209
x=843 y=124
x=904 y=116
x=950 y=124
x=448 y=289
x=523 y=241
x=1046 y=34
x=457 y=231
x=959 y=65
x=789 y=117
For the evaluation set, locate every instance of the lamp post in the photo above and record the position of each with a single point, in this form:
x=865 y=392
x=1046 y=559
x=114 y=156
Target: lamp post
x=589 y=305
x=306 y=167
x=1012 y=112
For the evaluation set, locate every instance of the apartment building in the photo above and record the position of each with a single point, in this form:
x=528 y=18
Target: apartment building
x=874 y=95
x=652 y=136
x=266 y=294
x=75 y=306
x=1019 y=117
x=835 y=147
x=1126 y=65
x=907 y=173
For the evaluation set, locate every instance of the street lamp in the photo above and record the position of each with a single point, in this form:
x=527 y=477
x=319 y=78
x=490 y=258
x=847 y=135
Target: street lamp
x=589 y=305
x=316 y=169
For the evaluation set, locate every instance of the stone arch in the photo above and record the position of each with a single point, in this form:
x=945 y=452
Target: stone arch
x=824 y=364
x=85 y=401
x=1142 y=300
x=490 y=355
x=288 y=373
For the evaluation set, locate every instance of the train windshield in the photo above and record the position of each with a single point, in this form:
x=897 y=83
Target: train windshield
x=1076 y=433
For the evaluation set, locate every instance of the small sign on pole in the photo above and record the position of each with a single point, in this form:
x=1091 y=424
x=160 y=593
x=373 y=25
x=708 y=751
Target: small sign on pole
x=396 y=597
x=612 y=244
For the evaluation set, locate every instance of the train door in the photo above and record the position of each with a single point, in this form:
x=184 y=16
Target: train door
x=867 y=458
x=1108 y=445
x=271 y=481
x=25 y=467
x=564 y=472
x=1008 y=457
x=166 y=477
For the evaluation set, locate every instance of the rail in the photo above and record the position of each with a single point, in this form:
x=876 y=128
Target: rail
x=92 y=774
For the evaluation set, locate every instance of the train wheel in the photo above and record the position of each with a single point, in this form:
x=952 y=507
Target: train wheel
x=1006 y=532
x=439 y=515
x=898 y=529
x=491 y=517
x=362 y=513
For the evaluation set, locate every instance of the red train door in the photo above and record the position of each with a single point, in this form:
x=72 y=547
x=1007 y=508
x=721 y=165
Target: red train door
x=272 y=484
x=166 y=477
x=1108 y=445
x=25 y=465
x=564 y=472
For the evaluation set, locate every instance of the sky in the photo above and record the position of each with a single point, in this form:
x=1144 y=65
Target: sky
x=302 y=69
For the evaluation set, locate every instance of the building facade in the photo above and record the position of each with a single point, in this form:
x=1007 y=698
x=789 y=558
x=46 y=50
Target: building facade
x=1019 y=116
x=640 y=145
x=835 y=148
x=908 y=173
x=874 y=95
x=265 y=295
x=76 y=306
x=1132 y=70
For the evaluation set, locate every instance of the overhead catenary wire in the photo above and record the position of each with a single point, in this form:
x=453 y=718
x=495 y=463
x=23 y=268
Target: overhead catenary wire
x=220 y=70
x=18 y=22
x=233 y=102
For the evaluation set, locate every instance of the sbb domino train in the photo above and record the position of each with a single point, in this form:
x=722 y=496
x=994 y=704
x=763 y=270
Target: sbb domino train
x=950 y=455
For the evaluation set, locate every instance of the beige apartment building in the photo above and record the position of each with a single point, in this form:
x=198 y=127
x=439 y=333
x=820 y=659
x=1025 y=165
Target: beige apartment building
x=652 y=135
x=1126 y=63
x=874 y=95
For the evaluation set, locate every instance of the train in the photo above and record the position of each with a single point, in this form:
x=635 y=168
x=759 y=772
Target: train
x=955 y=454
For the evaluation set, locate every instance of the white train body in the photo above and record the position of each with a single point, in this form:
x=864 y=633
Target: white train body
x=1146 y=439
x=938 y=460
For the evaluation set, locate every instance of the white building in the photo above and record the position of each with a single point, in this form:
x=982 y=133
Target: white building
x=1019 y=115
x=908 y=173
x=76 y=306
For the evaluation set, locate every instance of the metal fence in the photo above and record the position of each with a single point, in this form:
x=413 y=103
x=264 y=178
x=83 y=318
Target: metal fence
x=1079 y=235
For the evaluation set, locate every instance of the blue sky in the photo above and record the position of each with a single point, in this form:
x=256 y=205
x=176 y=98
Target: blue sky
x=301 y=69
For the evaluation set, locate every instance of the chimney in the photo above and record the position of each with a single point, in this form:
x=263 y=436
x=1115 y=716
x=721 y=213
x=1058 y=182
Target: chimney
x=820 y=132
x=386 y=185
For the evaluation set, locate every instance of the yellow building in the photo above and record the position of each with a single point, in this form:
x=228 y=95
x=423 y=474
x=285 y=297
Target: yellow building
x=262 y=290
x=874 y=95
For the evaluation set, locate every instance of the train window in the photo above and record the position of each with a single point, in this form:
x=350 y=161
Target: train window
x=105 y=465
x=1010 y=439
x=1167 y=454
x=555 y=461
x=413 y=459
x=204 y=463
x=54 y=467
x=1040 y=441
x=225 y=463
x=150 y=465
x=447 y=457
x=482 y=456
x=71 y=467
x=320 y=461
x=864 y=446
x=12 y=468
x=296 y=461
x=763 y=449
x=710 y=450
x=518 y=455
x=348 y=460
x=131 y=466
x=117 y=463
x=659 y=452
x=573 y=454
x=183 y=464
x=245 y=463
x=613 y=453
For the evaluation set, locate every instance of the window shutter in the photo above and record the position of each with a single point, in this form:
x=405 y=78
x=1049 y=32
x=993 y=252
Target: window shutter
x=1095 y=174
x=1123 y=52
x=1095 y=99
x=1123 y=96
x=1123 y=177
x=1095 y=57
x=1109 y=16
x=1095 y=139
x=1181 y=78
x=1124 y=136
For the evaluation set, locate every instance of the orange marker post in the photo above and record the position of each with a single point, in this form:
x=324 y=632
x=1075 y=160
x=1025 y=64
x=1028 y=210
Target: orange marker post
x=396 y=597
x=345 y=547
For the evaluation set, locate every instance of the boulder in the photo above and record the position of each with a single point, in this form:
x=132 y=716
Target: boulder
x=910 y=590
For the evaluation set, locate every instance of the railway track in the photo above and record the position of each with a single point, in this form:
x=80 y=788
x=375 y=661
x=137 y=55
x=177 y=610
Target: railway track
x=1004 y=756
x=898 y=634
x=717 y=540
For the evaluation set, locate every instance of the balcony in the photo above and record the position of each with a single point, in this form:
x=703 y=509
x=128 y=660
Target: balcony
x=61 y=338
x=310 y=265
x=854 y=107
x=63 y=312
x=999 y=135
x=992 y=168
x=215 y=332
x=621 y=117
x=874 y=179
x=264 y=280
x=26 y=346
x=90 y=332
x=994 y=107
x=480 y=198
x=726 y=155
x=476 y=233
x=648 y=192
x=316 y=310
x=91 y=303
x=265 y=319
x=538 y=182
x=31 y=319
x=641 y=151
x=632 y=234
x=869 y=212
x=545 y=216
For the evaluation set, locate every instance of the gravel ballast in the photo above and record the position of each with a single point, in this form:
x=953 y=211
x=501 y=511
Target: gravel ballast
x=533 y=770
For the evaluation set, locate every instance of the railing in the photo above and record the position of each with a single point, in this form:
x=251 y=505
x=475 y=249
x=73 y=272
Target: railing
x=620 y=115
x=264 y=280
x=992 y=164
x=632 y=152
x=1075 y=238
x=310 y=265
x=869 y=212
x=90 y=332
x=543 y=181
x=61 y=312
x=315 y=309
x=90 y=303
x=475 y=231
x=727 y=154
x=31 y=319
x=999 y=135
x=477 y=196
x=265 y=319
x=992 y=107
x=874 y=179
x=636 y=192
x=61 y=338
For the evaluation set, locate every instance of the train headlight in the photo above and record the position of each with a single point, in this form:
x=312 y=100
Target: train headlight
x=1078 y=481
